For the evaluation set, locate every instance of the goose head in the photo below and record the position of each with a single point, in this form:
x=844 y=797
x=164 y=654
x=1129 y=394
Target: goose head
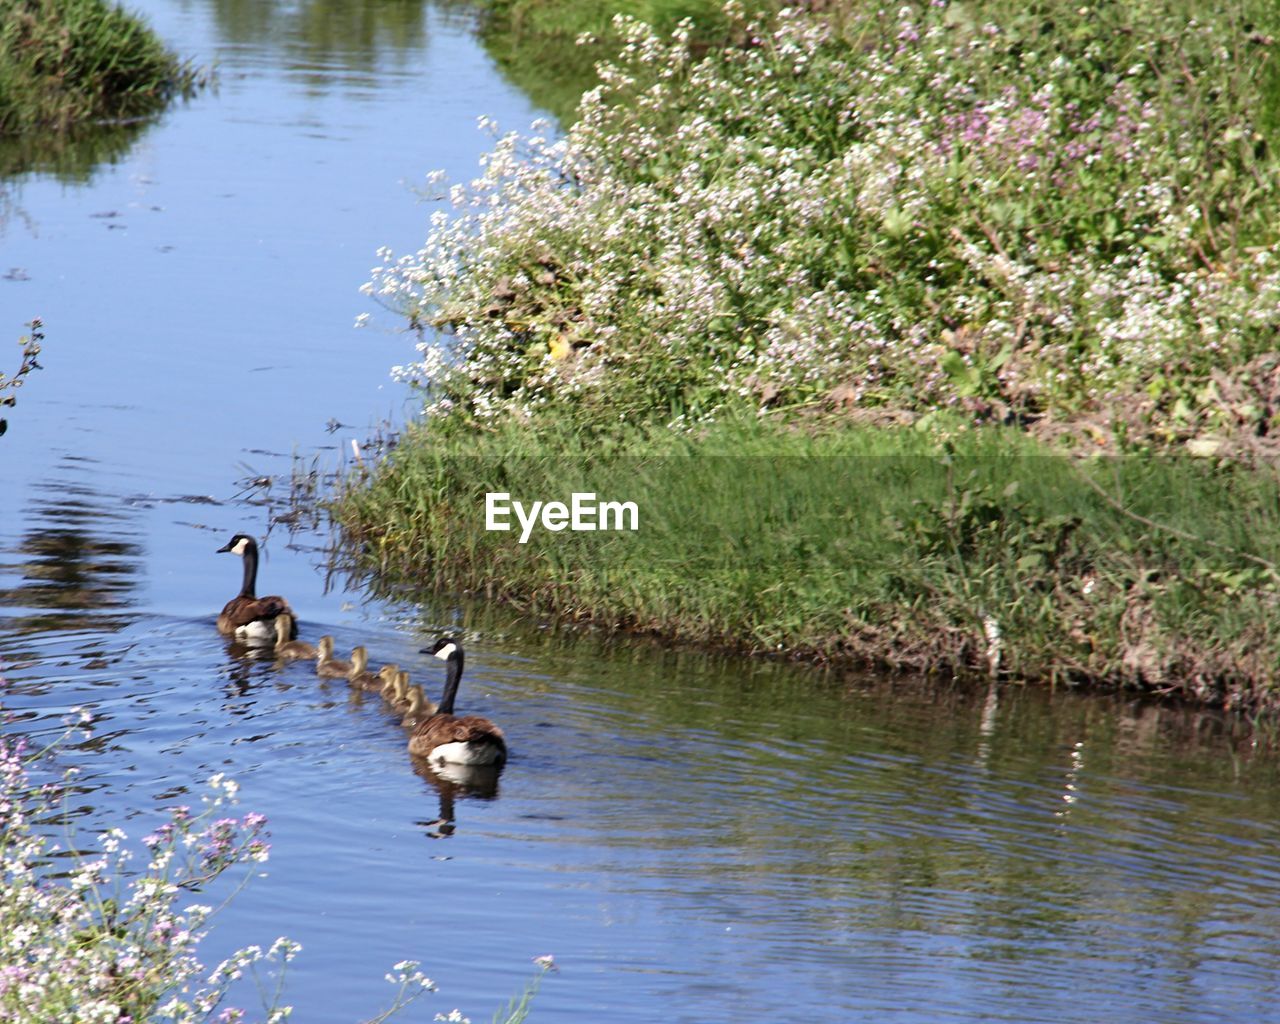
x=449 y=650
x=241 y=544
x=444 y=648
x=324 y=649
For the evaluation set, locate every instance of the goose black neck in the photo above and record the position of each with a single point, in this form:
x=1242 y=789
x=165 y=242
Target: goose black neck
x=250 y=572
x=453 y=676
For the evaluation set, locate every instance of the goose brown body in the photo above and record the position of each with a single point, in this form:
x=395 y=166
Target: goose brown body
x=246 y=615
x=446 y=738
x=481 y=741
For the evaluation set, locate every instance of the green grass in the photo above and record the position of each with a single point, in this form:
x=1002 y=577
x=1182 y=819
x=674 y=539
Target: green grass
x=68 y=62
x=864 y=546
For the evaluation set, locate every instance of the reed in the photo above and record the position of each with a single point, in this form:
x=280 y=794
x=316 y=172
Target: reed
x=68 y=62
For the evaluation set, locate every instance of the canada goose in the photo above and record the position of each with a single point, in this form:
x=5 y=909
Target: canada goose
x=288 y=649
x=444 y=738
x=247 y=616
x=327 y=666
x=417 y=708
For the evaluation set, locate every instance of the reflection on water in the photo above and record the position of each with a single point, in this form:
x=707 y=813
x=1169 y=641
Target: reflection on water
x=322 y=43
x=553 y=71
x=74 y=567
x=72 y=156
x=328 y=42
x=332 y=43
x=454 y=783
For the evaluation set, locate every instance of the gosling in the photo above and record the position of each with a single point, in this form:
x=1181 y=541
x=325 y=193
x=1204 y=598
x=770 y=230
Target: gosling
x=360 y=675
x=396 y=690
x=291 y=650
x=327 y=666
x=417 y=708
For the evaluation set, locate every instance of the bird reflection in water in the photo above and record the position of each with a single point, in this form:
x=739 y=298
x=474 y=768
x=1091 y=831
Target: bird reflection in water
x=454 y=782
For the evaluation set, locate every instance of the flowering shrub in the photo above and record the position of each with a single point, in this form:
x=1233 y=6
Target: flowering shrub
x=105 y=943
x=1001 y=208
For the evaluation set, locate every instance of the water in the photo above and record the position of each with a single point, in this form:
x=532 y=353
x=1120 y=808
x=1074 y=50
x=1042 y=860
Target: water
x=694 y=838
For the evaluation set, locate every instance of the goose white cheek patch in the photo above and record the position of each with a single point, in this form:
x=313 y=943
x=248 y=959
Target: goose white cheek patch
x=446 y=651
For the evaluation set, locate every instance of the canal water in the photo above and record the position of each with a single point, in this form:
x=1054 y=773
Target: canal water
x=693 y=838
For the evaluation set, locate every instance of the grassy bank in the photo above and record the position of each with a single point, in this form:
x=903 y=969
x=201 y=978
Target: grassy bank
x=1019 y=229
x=863 y=546
x=68 y=62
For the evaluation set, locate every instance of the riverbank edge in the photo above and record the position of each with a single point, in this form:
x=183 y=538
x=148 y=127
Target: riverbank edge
x=975 y=555
x=65 y=63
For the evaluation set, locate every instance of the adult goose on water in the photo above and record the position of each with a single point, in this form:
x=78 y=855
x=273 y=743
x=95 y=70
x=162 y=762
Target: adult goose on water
x=247 y=616
x=445 y=738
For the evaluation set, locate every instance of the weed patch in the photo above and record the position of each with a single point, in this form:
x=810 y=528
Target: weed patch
x=69 y=62
x=1017 y=213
